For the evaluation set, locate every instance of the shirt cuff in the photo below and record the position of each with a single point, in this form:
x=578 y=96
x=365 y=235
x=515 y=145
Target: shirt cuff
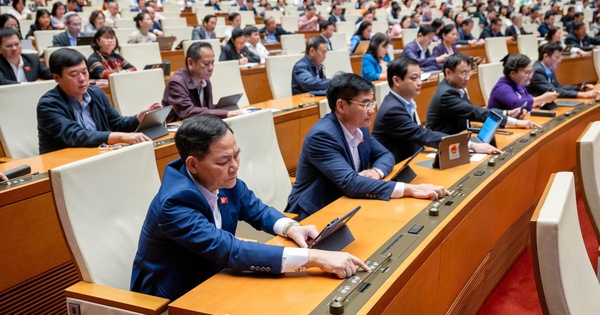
x=293 y=259
x=510 y=121
x=280 y=224
x=469 y=145
x=398 y=190
x=380 y=172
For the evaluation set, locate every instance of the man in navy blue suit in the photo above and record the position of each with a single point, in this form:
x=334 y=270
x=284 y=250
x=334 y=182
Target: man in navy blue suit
x=188 y=235
x=308 y=72
x=418 y=49
x=339 y=157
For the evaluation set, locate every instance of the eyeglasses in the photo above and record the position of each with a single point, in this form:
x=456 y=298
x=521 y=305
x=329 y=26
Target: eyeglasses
x=13 y=26
x=466 y=73
x=108 y=147
x=528 y=72
x=108 y=37
x=367 y=105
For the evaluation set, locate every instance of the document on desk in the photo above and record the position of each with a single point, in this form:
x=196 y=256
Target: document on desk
x=249 y=65
x=475 y=157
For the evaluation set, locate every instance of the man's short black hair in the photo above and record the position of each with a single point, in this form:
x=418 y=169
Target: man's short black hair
x=548 y=49
x=467 y=22
x=577 y=25
x=490 y=9
x=193 y=51
x=310 y=8
x=323 y=25
x=578 y=14
x=6 y=32
x=495 y=20
x=346 y=86
x=197 y=133
x=314 y=43
x=454 y=60
x=399 y=67
x=233 y=15
x=69 y=16
x=65 y=58
x=248 y=30
x=548 y=15
x=425 y=29
x=208 y=17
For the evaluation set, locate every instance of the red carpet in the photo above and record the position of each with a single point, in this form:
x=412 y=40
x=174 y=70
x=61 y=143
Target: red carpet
x=516 y=293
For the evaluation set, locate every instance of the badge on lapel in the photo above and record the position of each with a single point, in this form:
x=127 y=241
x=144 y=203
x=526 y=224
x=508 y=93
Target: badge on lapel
x=224 y=200
x=27 y=68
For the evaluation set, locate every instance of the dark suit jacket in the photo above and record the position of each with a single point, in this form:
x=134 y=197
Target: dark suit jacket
x=487 y=32
x=412 y=50
x=305 y=77
x=510 y=31
x=182 y=93
x=540 y=84
x=58 y=127
x=441 y=49
x=334 y=20
x=326 y=170
x=586 y=43
x=200 y=33
x=228 y=52
x=398 y=131
x=180 y=246
x=543 y=29
x=463 y=39
x=31 y=65
x=448 y=111
x=61 y=40
x=278 y=32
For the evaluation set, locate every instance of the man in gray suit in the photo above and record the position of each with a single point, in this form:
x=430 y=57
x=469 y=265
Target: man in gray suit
x=69 y=37
x=207 y=29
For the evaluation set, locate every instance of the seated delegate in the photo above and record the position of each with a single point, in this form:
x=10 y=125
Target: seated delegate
x=236 y=49
x=207 y=29
x=418 y=50
x=69 y=36
x=273 y=32
x=16 y=67
x=75 y=114
x=510 y=91
x=363 y=33
x=189 y=232
x=339 y=156
x=189 y=90
x=447 y=46
x=374 y=62
x=97 y=20
x=105 y=61
x=307 y=74
x=144 y=23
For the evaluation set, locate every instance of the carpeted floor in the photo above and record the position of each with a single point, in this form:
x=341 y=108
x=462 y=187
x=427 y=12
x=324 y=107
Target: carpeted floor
x=516 y=293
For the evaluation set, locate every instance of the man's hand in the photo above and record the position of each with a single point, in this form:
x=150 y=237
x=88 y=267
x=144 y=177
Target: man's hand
x=587 y=94
x=370 y=173
x=233 y=113
x=549 y=96
x=243 y=61
x=302 y=235
x=526 y=124
x=340 y=263
x=425 y=191
x=158 y=32
x=517 y=113
x=141 y=115
x=484 y=148
x=441 y=58
x=3 y=178
x=129 y=138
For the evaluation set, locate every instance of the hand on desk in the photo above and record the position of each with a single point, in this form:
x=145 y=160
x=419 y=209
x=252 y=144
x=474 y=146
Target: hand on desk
x=141 y=115
x=425 y=191
x=129 y=138
x=526 y=124
x=3 y=178
x=302 y=234
x=518 y=113
x=233 y=113
x=484 y=148
x=370 y=173
x=340 y=263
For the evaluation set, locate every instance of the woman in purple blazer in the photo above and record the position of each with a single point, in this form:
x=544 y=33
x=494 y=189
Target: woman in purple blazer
x=510 y=90
x=449 y=36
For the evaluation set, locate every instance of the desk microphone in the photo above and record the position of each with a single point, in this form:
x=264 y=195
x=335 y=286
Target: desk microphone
x=18 y=171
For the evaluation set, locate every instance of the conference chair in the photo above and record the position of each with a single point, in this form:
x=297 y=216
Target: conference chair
x=528 y=46
x=202 y=11
x=530 y=28
x=125 y=23
x=346 y=28
x=476 y=30
x=409 y=35
x=279 y=73
x=381 y=90
x=338 y=41
x=84 y=50
x=172 y=7
x=588 y=15
x=132 y=91
x=122 y=34
x=588 y=168
x=247 y=18
x=596 y=55
x=18 y=118
x=178 y=22
x=140 y=55
x=232 y=9
x=43 y=39
x=25 y=25
x=220 y=31
x=488 y=75
x=215 y=43
x=226 y=80
x=182 y=33
x=290 y=23
x=293 y=44
x=324 y=108
x=101 y=203
x=495 y=48
x=261 y=164
x=564 y=276
x=275 y=14
x=337 y=61
x=380 y=26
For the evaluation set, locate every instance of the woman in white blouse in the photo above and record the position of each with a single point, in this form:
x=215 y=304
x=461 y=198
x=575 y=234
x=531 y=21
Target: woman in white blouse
x=19 y=11
x=143 y=35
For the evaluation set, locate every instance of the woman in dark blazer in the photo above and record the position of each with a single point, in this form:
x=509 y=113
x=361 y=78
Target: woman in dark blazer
x=236 y=49
x=449 y=35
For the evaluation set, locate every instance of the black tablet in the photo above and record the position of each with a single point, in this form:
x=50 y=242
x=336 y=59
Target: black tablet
x=333 y=226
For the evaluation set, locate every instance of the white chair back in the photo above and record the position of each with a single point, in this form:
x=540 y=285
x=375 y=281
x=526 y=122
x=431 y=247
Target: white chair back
x=18 y=121
x=276 y=14
x=87 y=51
x=380 y=26
x=215 y=43
x=226 y=80
x=140 y=55
x=182 y=33
x=132 y=91
x=122 y=34
x=125 y=23
x=290 y=23
x=43 y=39
x=247 y=18
x=495 y=48
x=293 y=44
x=345 y=28
x=488 y=75
x=220 y=30
x=528 y=46
x=564 y=276
x=596 y=55
x=530 y=27
x=338 y=41
x=408 y=35
x=476 y=31
x=179 y=22
x=324 y=108
x=279 y=73
x=337 y=61
x=25 y=25
x=101 y=203
x=381 y=90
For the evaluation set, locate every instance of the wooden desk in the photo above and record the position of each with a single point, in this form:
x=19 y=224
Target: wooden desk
x=176 y=57
x=455 y=266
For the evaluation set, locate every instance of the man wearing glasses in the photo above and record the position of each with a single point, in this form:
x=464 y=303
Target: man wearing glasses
x=450 y=107
x=15 y=67
x=340 y=157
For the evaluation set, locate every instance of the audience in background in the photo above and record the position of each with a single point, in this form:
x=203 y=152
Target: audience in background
x=580 y=39
x=272 y=32
x=336 y=14
x=16 y=67
x=144 y=23
x=207 y=29
x=236 y=49
x=548 y=22
x=447 y=46
x=96 y=21
x=310 y=20
x=374 y=62
x=18 y=10
x=253 y=43
x=73 y=30
x=235 y=21
x=105 y=61
x=418 y=49
x=42 y=23
x=363 y=33
x=307 y=74
x=57 y=15
x=326 y=29
x=112 y=14
x=9 y=21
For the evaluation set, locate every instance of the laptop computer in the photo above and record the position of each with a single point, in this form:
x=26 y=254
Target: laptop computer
x=361 y=48
x=405 y=174
x=487 y=131
x=229 y=102
x=165 y=66
x=152 y=124
x=336 y=235
x=165 y=42
x=453 y=151
x=85 y=40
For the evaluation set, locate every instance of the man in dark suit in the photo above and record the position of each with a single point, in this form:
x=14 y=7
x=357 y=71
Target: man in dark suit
x=326 y=29
x=307 y=74
x=548 y=22
x=339 y=156
x=189 y=232
x=75 y=114
x=418 y=49
x=577 y=17
x=69 y=37
x=207 y=29
x=493 y=30
x=517 y=28
x=397 y=126
x=544 y=78
x=16 y=67
x=450 y=107
x=189 y=90
x=336 y=14
x=580 y=39
x=272 y=32
x=464 y=34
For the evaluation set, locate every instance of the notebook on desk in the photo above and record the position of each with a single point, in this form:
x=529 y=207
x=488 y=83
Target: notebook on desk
x=406 y=174
x=165 y=66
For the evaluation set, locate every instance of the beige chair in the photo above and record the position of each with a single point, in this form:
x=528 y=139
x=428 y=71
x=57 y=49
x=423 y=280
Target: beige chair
x=528 y=46
x=588 y=167
x=380 y=26
x=140 y=55
x=125 y=23
x=566 y=282
x=133 y=91
x=346 y=28
x=337 y=61
x=247 y=18
x=290 y=23
x=220 y=30
x=179 y=22
x=324 y=108
x=276 y=15
x=226 y=80
x=338 y=41
x=293 y=44
x=408 y=35
x=25 y=25
x=596 y=55
x=495 y=48
x=530 y=28
x=476 y=31
x=171 y=7
x=279 y=73
x=101 y=203
x=381 y=90
x=214 y=43
x=43 y=39
x=202 y=11
x=488 y=75
x=87 y=51
x=182 y=33
x=122 y=34
x=18 y=118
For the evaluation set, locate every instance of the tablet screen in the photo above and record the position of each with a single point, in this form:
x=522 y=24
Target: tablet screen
x=492 y=122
